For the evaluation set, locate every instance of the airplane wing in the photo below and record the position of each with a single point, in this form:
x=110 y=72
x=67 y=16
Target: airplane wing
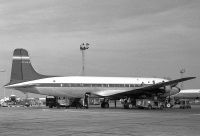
x=155 y=88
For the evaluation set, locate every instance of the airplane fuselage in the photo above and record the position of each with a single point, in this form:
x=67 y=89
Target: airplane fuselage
x=77 y=86
x=188 y=94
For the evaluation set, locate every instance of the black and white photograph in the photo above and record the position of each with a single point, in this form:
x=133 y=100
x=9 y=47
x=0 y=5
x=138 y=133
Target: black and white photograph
x=99 y=67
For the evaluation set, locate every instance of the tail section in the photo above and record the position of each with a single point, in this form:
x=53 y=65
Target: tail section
x=22 y=69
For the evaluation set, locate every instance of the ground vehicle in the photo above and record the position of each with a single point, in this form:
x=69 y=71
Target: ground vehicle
x=4 y=104
x=26 y=104
x=128 y=103
x=185 y=104
x=149 y=104
x=52 y=101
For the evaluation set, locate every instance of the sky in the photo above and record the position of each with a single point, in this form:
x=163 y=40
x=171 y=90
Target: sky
x=143 y=38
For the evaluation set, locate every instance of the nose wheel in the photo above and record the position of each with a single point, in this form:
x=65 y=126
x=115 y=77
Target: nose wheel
x=168 y=105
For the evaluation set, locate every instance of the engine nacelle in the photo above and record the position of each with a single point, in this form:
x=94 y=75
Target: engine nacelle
x=175 y=90
x=171 y=91
x=168 y=89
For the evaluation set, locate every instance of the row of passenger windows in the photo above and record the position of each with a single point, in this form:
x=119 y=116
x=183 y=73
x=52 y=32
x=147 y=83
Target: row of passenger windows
x=93 y=85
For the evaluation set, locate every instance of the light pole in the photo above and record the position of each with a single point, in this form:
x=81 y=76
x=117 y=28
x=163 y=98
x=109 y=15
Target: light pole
x=182 y=71
x=83 y=47
x=3 y=71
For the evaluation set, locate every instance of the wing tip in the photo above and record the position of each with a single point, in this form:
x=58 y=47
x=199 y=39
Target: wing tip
x=190 y=78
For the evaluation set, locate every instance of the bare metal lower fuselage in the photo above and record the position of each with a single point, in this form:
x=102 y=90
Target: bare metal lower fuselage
x=76 y=86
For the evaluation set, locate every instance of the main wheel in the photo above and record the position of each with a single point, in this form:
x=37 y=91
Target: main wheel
x=130 y=105
x=168 y=105
x=161 y=107
x=149 y=107
x=126 y=106
x=50 y=106
x=104 y=105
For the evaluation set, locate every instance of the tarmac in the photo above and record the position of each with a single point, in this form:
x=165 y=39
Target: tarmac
x=20 y=121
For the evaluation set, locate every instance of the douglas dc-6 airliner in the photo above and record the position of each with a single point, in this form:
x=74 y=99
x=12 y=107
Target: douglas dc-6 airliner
x=188 y=94
x=24 y=78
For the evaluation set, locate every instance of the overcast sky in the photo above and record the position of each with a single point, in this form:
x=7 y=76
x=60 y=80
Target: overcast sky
x=148 y=38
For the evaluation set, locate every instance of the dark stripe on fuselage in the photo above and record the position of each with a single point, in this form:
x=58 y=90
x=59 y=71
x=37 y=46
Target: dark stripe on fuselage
x=89 y=85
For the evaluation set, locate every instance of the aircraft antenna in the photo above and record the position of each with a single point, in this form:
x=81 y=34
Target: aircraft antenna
x=83 y=47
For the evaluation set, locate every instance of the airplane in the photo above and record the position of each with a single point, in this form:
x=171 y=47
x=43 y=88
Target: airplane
x=183 y=96
x=188 y=94
x=25 y=79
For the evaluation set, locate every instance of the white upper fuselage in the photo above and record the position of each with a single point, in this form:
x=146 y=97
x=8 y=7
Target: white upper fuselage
x=77 y=86
x=189 y=93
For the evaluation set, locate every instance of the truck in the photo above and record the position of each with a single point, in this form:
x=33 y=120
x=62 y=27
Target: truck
x=52 y=101
x=149 y=104
x=58 y=102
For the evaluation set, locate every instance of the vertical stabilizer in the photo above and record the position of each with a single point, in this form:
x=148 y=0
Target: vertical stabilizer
x=22 y=69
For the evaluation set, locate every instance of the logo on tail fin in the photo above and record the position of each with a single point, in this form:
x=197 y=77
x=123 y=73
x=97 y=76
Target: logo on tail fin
x=22 y=70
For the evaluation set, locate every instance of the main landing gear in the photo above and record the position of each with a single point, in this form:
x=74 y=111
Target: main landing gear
x=129 y=103
x=105 y=103
x=86 y=101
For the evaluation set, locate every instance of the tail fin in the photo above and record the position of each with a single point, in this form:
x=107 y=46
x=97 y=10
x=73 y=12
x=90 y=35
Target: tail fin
x=22 y=69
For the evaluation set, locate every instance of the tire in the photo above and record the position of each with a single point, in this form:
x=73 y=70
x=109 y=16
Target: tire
x=149 y=107
x=126 y=106
x=66 y=107
x=106 y=105
x=130 y=106
x=58 y=106
x=168 y=105
x=161 y=107
x=102 y=105
x=50 y=106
